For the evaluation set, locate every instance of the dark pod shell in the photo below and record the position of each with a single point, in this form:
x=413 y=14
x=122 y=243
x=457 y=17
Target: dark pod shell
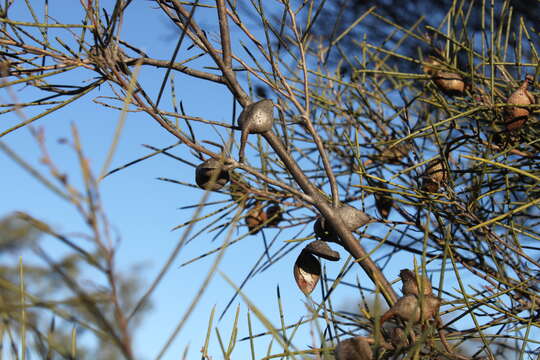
x=356 y=348
x=449 y=82
x=274 y=214
x=321 y=249
x=352 y=217
x=257 y=117
x=307 y=272
x=211 y=175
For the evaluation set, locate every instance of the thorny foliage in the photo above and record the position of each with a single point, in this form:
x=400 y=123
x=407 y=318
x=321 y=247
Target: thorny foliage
x=454 y=174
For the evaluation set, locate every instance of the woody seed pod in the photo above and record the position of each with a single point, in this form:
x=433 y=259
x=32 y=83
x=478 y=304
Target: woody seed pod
x=449 y=82
x=257 y=118
x=515 y=117
x=409 y=308
x=321 y=249
x=383 y=201
x=211 y=175
x=356 y=348
x=394 y=154
x=255 y=218
x=352 y=217
x=435 y=175
x=307 y=272
x=410 y=285
x=274 y=214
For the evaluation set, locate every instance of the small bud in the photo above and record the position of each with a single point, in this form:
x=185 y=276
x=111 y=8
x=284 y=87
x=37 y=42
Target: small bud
x=211 y=175
x=321 y=249
x=307 y=272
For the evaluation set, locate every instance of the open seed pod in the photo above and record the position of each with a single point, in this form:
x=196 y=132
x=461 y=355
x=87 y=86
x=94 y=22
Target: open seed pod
x=410 y=284
x=352 y=217
x=515 y=117
x=435 y=175
x=255 y=218
x=321 y=249
x=211 y=175
x=449 y=82
x=274 y=214
x=257 y=118
x=409 y=308
x=356 y=348
x=383 y=201
x=307 y=272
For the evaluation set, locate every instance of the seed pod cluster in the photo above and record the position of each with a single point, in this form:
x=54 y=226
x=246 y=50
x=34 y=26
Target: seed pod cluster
x=256 y=118
x=435 y=175
x=352 y=217
x=449 y=82
x=257 y=218
x=514 y=116
x=211 y=175
x=356 y=348
x=413 y=307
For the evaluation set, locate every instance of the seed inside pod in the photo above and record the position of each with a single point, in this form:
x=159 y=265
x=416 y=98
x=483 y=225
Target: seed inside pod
x=410 y=284
x=274 y=214
x=257 y=118
x=435 y=175
x=255 y=218
x=321 y=249
x=211 y=175
x=352 y=217
x=307 y=272
x=409 y=308
x=356 y=348
x=515 y=117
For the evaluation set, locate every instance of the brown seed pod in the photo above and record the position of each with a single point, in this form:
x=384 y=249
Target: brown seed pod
x=274 y=214
x=408 y=307
x=435 y=175
x=515 y=117
x=449 y=82
x=410 y=285
x=211 y=175
x=356 y=348
x=321 y=249
x=383 y=201
x=352 y=217
x=307 y=272
x=257 y=118
x=255 y=218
